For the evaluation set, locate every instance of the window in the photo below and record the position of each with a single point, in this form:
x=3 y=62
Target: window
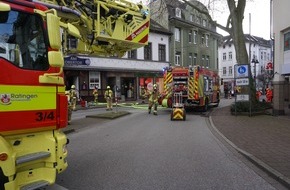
x=224 y=70
x=28 y=50
x=132 y=54
x=190 y=61
x=230 y=55
x=177 y=34
x=148 y=52
x=190 y=36
x=194 y=36
x=177 y=58
x=203 y=60
x=204 y=22
x=206 y=40
x=195 y=59
x=191 y=17
x=207 y=61
x=230 y=70
x=287 y=41
x=203 y=39
x=161 y=52
x=224 y=56
x=95 y=79
x=72 y=43
x=178 y=12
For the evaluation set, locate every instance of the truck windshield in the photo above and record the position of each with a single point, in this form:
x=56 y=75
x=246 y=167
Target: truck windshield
x=22 y=40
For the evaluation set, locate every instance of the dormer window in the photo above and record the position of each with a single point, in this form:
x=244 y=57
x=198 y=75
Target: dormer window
x=178 y=12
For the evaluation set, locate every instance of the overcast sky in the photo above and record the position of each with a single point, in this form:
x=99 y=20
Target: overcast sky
x=259 y=10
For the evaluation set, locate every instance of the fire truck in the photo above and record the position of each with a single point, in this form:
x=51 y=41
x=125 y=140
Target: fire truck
x=34 y=38
x=199 y=87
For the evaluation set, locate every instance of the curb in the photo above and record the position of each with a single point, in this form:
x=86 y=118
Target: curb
x=259 y=163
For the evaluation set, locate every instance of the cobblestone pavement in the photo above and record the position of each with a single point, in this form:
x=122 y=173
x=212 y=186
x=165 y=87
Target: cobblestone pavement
x=263 y=139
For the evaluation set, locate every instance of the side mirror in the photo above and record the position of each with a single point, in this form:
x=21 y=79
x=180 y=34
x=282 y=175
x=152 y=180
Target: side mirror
x=55 y=59
x=53 y=28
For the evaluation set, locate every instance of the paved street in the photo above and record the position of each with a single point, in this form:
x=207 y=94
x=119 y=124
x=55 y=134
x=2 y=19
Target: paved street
x=142 y=151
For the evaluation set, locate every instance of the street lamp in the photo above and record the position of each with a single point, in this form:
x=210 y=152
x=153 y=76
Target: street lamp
x=255 y=61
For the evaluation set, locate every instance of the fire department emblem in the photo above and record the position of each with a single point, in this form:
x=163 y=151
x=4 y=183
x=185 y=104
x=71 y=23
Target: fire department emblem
x=5 y=99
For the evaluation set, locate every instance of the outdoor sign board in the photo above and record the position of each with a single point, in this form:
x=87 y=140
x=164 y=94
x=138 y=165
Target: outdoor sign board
x=242 y=97
x=242 y=81
x=242 y=71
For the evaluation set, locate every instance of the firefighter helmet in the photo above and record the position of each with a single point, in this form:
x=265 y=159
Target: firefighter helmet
x=73 y=86
x=108 y=87
x=155 y=86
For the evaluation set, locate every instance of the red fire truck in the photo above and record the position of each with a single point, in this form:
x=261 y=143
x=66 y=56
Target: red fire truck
x=199 y=87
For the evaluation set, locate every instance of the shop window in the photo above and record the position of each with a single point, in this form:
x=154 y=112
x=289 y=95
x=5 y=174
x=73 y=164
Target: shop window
x=94 y=78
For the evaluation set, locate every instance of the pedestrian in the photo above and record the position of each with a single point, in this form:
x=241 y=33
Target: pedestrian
x=73 y=97
x=153 y=100
x=226 y=90
x=96 y=94
x=109 y=98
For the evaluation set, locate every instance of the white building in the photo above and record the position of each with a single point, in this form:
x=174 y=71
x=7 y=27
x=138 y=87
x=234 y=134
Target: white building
x=280 y=33
x=259 y=51
x=129 y=73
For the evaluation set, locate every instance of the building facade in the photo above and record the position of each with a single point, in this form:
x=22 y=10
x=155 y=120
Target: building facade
x=126 y=75
x=260 y=54
x=280 y=33
x=195 y=40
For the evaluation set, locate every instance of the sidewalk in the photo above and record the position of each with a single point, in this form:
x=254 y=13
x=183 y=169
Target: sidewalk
x=263 y=139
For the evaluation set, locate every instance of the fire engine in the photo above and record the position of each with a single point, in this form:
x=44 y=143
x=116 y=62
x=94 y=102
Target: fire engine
x=34 y=38
x=199 y=87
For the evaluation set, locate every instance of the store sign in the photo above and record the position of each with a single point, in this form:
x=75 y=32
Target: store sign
x=76 y=61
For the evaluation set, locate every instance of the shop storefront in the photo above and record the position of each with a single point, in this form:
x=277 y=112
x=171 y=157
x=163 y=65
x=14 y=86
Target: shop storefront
x=126 y=83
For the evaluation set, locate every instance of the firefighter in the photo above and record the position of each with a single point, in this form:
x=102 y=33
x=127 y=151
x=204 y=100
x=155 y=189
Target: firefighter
x=269 y=94
x=153 y=100
x=109 y=98
x=143 y=94
x=69 y=106
x=73 y=97
x=96 y=94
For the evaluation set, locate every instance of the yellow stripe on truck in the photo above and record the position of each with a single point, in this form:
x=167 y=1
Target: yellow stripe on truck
x=26 y=98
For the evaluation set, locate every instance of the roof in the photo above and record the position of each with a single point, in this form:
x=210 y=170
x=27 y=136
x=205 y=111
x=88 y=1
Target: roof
x=157 y=28
x=248 y=38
